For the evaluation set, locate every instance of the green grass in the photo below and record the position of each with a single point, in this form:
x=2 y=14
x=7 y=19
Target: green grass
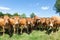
x=35 y=35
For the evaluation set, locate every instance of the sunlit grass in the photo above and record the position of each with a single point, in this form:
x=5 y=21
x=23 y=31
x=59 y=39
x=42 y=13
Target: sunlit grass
x=35 y=35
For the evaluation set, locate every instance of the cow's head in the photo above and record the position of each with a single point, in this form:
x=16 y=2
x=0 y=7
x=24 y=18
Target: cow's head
x=51 y=23
x=6 y=19
x=16 y=18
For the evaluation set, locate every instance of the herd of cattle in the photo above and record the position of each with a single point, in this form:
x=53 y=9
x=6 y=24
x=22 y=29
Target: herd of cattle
x=29 y=24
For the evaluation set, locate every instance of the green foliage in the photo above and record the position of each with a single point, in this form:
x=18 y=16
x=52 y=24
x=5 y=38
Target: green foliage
x=57 y=6
x=16 y=14
x=23 y=15
x=1 y=14
x=8 y=14
x=32 y=15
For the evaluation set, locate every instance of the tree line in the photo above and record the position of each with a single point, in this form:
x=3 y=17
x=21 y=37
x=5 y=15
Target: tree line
x=23 y=15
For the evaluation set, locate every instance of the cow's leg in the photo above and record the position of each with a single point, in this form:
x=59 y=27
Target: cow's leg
x=3 y=31
x=17 y=29
x=57 y=28
x=21 y=28
x=14 y=28
x=27 y=29
x=42 y=28
x=31 y=28
x=10 y=31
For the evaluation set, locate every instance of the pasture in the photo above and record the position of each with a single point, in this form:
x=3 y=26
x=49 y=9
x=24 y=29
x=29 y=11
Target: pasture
x=35 y=35
x=29 y=20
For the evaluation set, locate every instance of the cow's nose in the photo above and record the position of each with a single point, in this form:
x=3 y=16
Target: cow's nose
x=28 y=22
x=51 y=25
x=16 y=23
x=38 y=21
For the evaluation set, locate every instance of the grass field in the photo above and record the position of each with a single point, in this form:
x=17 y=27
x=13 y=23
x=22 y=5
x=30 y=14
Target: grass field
x=35 y=35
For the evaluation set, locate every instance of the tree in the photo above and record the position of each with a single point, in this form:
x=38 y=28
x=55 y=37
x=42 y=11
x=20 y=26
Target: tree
x=57 y=6
x=23 y=15
x=16 y=14
x=32 y=15
x=1 y=14
x=8 y=14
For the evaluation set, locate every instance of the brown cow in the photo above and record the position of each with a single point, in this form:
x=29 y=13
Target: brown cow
x=47 y=22
x=22 y=24
x=55 y=22
x=14 y=21
x=2 y=24
x=30 y=24
x=41 y=23
x=6 y=19
x=35 y=18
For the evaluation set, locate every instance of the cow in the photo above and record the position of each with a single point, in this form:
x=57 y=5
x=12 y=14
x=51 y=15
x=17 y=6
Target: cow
x=14 y=21
x=22 y=24
x=47 y=22
x=43 y=23
x=8 y=27
x=55 y=22
x=30 y=24
x=6 y=17
x=35 y=18
x=2 y=24
x=40 y=23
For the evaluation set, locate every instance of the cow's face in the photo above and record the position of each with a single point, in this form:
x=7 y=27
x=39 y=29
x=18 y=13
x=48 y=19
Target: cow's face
x=47 y=21
x=16 y=18
x=42 y=20
x=38 y=21
x=32 y=23
x=51 y=23
x=13 y=21
x=6 y=19
x=16 y=21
